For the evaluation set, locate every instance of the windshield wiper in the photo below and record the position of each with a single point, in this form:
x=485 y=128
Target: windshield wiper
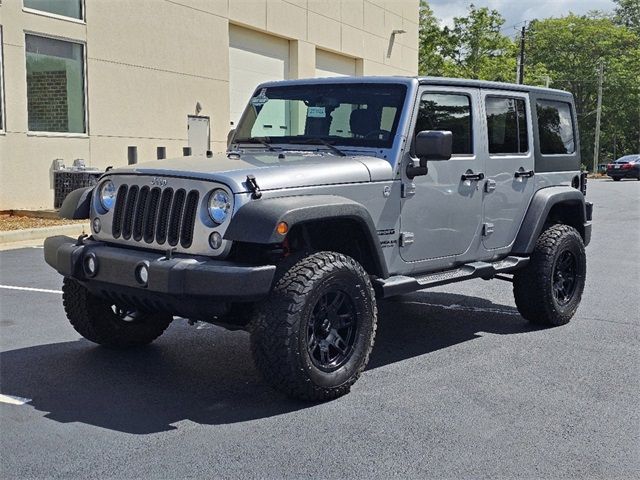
x=263 y=140
x=316 y=141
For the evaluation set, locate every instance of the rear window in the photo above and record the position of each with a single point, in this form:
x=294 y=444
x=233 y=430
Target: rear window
x=555 y=128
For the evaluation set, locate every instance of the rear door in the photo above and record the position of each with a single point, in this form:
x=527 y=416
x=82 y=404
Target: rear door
x=509 y=182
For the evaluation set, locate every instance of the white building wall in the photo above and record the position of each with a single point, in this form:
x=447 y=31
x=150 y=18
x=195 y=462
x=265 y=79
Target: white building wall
x=149 y=61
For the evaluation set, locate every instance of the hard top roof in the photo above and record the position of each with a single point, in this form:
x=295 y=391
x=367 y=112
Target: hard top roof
x=439 y=81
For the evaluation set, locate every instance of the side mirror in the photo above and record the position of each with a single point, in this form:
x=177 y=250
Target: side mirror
x=230 y=136
x=434 y=145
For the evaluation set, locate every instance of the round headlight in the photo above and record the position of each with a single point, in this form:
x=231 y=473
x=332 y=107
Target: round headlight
x=219 y=206
x=107 y=195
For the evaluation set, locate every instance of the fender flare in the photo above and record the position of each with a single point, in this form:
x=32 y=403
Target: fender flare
x=77 y=205
x=537 y=213
x=256 y=221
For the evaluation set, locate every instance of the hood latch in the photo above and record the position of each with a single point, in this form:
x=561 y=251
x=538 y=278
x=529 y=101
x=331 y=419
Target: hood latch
x=252 y=184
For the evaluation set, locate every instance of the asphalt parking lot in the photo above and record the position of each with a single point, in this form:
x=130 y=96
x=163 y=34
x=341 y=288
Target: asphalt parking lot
x=459 y=386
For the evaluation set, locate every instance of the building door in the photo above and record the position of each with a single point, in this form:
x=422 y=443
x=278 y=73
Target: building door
x=443 y=209
x=198 y=134
x=254 y=58
x=509 y=166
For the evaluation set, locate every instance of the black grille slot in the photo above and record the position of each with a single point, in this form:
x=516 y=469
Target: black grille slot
x=155 y=214
x=176 y=217
x=151 y=212
x=127 y=223
x=163 y=215
x=116 y=227
x=189 y=219
x=141 y=213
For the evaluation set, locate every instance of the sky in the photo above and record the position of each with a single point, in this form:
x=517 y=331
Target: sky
x=517 y=11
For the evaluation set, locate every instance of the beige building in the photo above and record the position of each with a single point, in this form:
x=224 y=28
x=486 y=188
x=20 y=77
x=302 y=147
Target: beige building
x=88 y=78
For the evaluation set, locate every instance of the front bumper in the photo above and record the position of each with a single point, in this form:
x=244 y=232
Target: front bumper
x=183 y=285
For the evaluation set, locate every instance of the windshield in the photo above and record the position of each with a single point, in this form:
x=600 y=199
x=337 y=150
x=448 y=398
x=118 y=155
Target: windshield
x=359 y=115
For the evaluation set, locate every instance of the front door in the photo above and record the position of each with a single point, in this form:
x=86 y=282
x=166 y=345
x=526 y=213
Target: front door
x=443 y=209
x=509 y=182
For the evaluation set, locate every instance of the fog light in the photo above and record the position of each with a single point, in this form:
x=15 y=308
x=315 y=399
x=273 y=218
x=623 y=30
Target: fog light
x=91 y=265
x=142 y=274
x=97 y=225
x=215 y=240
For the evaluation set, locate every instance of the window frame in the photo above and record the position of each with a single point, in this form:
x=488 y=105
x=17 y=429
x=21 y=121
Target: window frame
x=82 y=20
x=40 y=133
x=573 y=127
x=527 y=115
x=460 y=93
x=3 y=113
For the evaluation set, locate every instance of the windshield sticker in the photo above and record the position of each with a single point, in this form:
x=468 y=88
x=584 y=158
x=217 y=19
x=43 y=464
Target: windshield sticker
x=316 y=112
x=260 y=99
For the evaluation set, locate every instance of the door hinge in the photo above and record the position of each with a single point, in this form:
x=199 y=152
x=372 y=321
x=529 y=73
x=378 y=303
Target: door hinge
x=408 y=189
x=406 y=239
x=487 y=229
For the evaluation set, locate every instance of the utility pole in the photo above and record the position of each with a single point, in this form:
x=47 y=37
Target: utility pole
x=521 y=69
x=596 y=146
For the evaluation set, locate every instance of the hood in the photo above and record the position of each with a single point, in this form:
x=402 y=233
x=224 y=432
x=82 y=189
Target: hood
x=296 y=169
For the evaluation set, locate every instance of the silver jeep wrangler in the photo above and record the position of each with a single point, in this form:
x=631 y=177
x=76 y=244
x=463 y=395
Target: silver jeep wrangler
x=335 y=193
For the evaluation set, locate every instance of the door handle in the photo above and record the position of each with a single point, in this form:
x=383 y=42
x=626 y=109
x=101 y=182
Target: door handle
x=524 y=174
x=469 y=175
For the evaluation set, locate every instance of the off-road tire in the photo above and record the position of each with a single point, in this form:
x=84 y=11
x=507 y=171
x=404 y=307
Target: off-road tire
x=94 y=319
x=533 y=285
x=281 y=330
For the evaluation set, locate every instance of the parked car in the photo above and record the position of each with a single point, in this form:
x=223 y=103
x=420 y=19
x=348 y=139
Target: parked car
x=625 y=167
x=334 y=194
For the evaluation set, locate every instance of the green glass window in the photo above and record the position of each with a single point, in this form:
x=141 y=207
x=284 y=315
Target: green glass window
x=55 y=85
x=65 y=8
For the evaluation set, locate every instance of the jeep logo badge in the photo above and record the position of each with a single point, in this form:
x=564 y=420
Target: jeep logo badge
x=159 y=182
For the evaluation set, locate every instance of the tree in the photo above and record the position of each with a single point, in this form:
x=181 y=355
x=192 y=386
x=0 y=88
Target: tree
x=627 y=13
x=473 y=48
x=432 y=41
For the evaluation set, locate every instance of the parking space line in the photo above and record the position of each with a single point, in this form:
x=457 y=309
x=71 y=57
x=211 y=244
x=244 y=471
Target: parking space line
x=13 y=400
x=29 y=289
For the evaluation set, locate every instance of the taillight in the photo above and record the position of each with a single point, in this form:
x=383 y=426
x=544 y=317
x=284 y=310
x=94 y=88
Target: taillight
x=627 y=166
x=609 y=166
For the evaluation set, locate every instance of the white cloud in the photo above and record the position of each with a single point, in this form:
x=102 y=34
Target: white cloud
x=518 y=11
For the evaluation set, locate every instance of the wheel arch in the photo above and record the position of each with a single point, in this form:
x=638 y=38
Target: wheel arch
x=553 y=205
x=316 y=218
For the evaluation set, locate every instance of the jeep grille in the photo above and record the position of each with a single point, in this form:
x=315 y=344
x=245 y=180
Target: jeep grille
x=155 y=214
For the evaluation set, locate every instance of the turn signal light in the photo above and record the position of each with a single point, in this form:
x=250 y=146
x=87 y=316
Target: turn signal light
x=282 y=228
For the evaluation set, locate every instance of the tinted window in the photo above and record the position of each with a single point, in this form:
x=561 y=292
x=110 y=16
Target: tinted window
x=55 y=85
x=555 y=127
x=66 y=8
x=507 y=125
x=448 y=112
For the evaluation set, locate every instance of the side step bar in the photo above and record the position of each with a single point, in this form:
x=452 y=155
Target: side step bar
x=400 y=284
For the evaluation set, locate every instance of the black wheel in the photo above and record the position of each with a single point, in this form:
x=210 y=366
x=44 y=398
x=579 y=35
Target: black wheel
x=312 y=338
x=549 y=289
x=107 y=324
x=616 y=179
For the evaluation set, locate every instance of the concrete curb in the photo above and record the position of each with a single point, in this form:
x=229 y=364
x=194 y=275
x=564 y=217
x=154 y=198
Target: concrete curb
x=32 y=234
